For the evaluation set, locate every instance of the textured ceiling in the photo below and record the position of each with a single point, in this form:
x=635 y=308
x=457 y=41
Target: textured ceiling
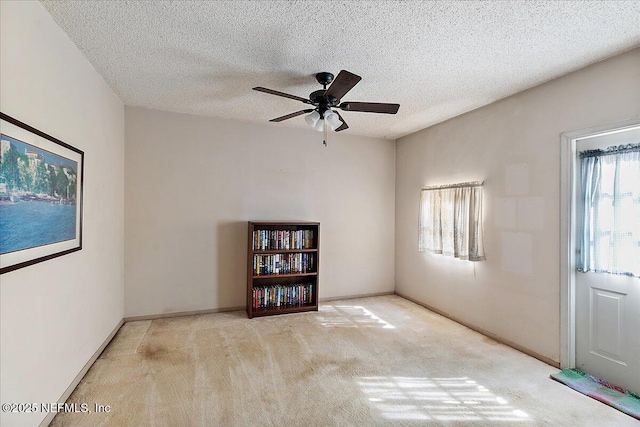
x=436 y=59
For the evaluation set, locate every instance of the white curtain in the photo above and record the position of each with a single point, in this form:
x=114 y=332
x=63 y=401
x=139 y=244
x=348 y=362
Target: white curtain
x=610 y=232
x=451 y=221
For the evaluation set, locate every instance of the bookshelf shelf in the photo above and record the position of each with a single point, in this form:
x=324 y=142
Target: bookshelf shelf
x=283 y=251
x=269 y=312
x=271 y=276
x=282 y=267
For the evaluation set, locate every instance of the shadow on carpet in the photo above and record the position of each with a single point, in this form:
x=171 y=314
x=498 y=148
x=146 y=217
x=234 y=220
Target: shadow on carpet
x=612 y=395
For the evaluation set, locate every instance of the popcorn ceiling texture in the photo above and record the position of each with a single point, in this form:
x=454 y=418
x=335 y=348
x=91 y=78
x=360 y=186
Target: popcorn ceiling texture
x=437 y=59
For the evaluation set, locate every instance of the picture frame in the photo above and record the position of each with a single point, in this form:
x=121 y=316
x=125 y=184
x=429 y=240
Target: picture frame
x=41 y=188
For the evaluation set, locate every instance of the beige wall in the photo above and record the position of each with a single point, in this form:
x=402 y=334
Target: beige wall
x=55 y=314
x=194 y=182
x=514 y=146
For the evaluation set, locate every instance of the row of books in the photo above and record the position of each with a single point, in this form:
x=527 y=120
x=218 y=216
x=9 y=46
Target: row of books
x=282 y=296
x=283 y=263
x=282 y=239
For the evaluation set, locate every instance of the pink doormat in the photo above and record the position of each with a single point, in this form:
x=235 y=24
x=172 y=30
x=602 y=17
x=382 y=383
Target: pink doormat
x=614 y=396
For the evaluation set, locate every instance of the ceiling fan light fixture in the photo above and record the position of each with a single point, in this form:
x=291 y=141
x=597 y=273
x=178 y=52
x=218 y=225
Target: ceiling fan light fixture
x=332 y=119
x=319 y=126
x=312 y=119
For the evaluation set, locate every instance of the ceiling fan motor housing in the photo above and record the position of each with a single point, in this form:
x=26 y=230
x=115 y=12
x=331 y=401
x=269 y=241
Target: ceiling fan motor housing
x=323 y=102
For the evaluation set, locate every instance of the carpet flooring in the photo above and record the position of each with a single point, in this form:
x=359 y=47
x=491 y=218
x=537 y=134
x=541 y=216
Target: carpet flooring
x=380 y=361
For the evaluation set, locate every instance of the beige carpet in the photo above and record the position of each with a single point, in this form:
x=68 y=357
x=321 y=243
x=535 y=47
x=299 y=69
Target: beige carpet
x=361 y=362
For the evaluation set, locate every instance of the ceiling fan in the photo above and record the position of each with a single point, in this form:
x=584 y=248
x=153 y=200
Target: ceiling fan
x=323 y=116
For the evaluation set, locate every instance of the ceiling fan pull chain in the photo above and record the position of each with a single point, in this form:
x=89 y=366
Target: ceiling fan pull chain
x=324 y=133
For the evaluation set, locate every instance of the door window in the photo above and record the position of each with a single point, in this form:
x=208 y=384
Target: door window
x=609 y=239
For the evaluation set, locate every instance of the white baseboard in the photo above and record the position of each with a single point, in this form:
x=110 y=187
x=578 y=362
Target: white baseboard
x=506 y=342
x=51 y=415
x=377 y=294
x=238 y=308
x=183 y=313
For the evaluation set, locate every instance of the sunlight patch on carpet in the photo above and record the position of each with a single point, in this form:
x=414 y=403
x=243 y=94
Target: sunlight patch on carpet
x=350 y=316
x=442 y=399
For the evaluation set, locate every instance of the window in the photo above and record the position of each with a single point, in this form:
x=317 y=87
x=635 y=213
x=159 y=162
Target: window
x=610 y=231
x=451 y=221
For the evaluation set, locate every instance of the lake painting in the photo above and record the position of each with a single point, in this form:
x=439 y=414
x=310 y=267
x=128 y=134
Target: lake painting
x=40 y=196
x=37 y=196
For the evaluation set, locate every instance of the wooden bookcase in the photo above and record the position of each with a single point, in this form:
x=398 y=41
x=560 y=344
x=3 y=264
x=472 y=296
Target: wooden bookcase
x=282 y=267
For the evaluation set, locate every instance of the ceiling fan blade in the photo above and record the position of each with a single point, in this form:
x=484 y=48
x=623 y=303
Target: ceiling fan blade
x=342 y=84
x=370 y=107
x=344 y=124
x=292 y=115
x=286 y=95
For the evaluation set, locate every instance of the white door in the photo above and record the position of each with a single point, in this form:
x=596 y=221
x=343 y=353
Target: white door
x=607 y=305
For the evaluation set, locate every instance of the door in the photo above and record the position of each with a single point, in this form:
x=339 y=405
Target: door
x=607 y=310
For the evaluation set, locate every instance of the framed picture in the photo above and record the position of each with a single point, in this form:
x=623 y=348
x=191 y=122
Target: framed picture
x=40 y=196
